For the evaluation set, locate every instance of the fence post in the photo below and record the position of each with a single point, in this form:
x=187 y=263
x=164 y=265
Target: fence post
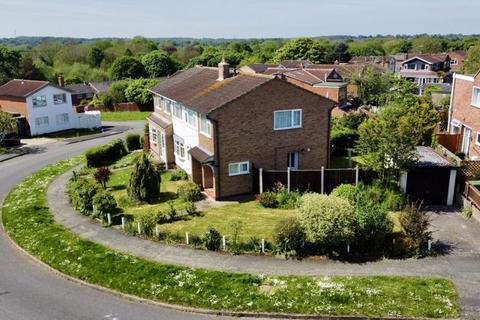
x=322 y=183
x=288 y=179
x=356 y=176
x=123 y=223
x=139 y=228
x=187 y=240
x=260 y=179
x=157 y=231
x=263 y=245
x=109 y=219
x=224 y=243
x=430 y=245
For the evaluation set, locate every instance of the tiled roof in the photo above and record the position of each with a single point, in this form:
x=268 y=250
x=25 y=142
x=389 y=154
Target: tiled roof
x=101 y=86
x=416 y=73
x=295 y=63
x=21 y=88
x=79 y=88
x=199 y=89
x=160 y=121
x=201 y=155
x=430 y=58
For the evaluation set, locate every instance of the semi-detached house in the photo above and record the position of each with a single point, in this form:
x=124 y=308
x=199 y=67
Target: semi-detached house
x=220 y=127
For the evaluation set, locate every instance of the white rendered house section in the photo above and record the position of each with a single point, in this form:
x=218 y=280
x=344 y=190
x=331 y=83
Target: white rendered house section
x=189 y=136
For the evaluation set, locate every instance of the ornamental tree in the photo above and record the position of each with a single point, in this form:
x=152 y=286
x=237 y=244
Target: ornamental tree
x=144 y=184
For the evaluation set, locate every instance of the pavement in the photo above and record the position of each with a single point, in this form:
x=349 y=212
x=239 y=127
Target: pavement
x=459 y=237
x=29 y=291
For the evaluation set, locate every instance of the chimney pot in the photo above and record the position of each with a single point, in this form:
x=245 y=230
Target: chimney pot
x=223 y=70
x=61 y=81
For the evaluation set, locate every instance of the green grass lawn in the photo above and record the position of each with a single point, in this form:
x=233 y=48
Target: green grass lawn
x=256 y=221
x=28 y=221
x=125 y=116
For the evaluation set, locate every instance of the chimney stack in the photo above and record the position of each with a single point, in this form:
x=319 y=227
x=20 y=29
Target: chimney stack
x=223 y=70
x=61 y=81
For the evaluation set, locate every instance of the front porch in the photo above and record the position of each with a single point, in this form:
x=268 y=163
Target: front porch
x=203 y=172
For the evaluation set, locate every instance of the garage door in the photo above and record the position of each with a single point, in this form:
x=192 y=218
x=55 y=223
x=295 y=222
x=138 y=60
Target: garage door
x=429 y=185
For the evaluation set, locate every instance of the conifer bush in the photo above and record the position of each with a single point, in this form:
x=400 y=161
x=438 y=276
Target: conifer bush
x=144 y=184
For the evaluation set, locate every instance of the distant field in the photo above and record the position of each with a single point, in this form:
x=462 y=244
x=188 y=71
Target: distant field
x=125 y=116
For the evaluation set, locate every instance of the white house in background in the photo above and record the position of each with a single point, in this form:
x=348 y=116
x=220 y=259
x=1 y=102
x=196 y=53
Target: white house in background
x=46 y=107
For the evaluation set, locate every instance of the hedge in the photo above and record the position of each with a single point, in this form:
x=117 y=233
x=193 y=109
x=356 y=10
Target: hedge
x=105 y=154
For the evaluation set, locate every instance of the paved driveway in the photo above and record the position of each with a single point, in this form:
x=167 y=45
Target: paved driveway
x=455 y=234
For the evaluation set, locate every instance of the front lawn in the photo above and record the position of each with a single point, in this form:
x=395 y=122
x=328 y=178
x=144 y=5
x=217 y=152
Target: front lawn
x=27 y=220
x=255 y=221
x=125 y=116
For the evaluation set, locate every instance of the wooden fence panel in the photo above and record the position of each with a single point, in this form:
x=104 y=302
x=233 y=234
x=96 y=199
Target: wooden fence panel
x=271 y=178
x=306 y=181
x=334 y=178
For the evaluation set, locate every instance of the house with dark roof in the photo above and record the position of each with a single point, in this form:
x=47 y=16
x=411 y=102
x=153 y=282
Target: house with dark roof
x=426 y=68
x=80 y=92
x=221 y=127
x=457 y=58
x=46 y=107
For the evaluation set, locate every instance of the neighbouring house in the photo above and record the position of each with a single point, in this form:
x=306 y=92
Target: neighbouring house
x=464 y=115
x=426 y=68
x=395 y=62
x=221 y=127
x=326 y=81
x=46 y=107
x=80 y=92
x=457 y=58
x=102 y=86
x=438 y=91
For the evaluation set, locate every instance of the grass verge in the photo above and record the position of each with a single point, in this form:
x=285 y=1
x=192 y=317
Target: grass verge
x=28 y=222
x=125 y=116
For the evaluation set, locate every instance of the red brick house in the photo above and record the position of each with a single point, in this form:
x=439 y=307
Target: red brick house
x=219 y=127
x=464 y=114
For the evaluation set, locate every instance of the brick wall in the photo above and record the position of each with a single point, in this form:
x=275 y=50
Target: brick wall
x=245 y=133
x=12 y=104
x=465 y=113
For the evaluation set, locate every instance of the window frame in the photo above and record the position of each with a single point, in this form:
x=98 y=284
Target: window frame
x=153 y=135
x=63 y=115
x=44 y=101
x=208 y=124
x=240 y=171
x=42 y=126
x=179 y=148
x=475 y=104
x=456 y=124
x=177 y=108
x=477 y=141
x=167 y=102
x=292 y=112
x=60 y=94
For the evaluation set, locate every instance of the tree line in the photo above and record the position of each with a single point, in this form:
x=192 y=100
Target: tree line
x=83 y=60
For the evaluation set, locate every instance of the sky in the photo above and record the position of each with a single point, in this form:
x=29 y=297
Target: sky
x=236 y=18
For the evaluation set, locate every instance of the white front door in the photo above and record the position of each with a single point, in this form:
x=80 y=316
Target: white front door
x=293 y=160
x=163 y=150
x=466 y=140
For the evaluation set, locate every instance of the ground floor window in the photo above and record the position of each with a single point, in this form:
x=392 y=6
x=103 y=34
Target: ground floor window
x=41 y=122
x=62 y=118
x=153 y=135
x=179 y=147
x=455 y=127
x=238 y=168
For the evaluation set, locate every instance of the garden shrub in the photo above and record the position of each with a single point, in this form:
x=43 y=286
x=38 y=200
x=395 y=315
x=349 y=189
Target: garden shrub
x=144 y=184
x=102 y=175
x=346 y=191
x=341 y=139
x=212 y=239
x=288 y=199
x=148 y=222
x=393 y=200
x=103 y=204
x=268 y=199
x=133 y=142
x=416 y=225
x=191 y=208
x=195 y=240
x=189 y=191
x=105 y=154
x=168 y=214
x=290 y=237
x=327 y=220
x=374 y=226
x=81 y=193
x=178 y=174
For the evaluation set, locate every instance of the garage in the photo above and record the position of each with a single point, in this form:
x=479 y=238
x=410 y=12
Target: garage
x=430 y=180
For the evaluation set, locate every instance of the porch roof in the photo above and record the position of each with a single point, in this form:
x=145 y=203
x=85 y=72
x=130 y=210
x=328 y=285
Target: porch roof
x=201 y=155
x=163 y=123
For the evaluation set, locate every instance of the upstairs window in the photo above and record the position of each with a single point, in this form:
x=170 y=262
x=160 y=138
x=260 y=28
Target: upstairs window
x=158 y=102
x=177 y=111
x=453 y=62
x=287 y=119
x=39 y=101
x=205 y=125
x=59 y=98
x=238 y=168
x=167 y=106
x=411 y=66
x=191 y=117
x=476 y=97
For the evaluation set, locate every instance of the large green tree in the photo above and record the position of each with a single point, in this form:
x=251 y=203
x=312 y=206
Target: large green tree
x=373 y=84
x=137 y=90
x=127 y=67
x=428 y=44
x=472 y=60
x=158 y=64
x=95 y=56
x=9 y=63
x=144 y=184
